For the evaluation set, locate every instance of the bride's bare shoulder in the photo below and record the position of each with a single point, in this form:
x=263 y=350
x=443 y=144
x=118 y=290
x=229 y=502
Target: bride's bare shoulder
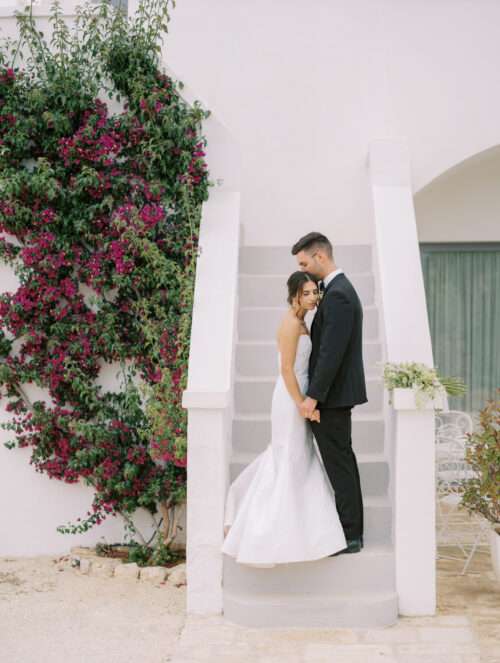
x=289 y=325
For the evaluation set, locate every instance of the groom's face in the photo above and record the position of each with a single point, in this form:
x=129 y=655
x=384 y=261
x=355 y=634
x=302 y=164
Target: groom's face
x=308 y=262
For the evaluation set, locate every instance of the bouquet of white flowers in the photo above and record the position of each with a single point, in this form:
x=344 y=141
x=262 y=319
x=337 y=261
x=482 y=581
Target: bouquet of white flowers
x=425 y=381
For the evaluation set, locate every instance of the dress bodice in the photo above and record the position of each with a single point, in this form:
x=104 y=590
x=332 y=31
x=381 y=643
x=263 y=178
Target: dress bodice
x=301 y=365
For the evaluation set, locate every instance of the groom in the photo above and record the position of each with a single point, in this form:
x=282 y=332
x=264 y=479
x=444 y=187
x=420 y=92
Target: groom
x=336 y=379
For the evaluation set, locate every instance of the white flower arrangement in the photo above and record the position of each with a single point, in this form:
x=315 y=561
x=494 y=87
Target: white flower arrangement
x=424 y=380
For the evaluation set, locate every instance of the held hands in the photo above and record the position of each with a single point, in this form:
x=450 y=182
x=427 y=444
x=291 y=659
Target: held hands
x=308 y=409
x=314 y=416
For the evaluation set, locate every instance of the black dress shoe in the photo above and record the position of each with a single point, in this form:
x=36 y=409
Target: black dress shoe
x=353 y=546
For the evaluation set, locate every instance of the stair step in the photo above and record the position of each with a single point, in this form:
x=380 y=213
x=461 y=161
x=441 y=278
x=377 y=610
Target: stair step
x=371 y=570
x=352 y=259
x=349 y=610
x=270 y=290
x=352 y=591
x=260 y=323
x=253 y=395
x=373 y=471
x=260 y=358
x=253 y=434
x=377 y=514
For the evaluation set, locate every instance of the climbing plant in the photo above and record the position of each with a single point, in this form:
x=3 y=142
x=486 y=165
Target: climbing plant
x=102 y=178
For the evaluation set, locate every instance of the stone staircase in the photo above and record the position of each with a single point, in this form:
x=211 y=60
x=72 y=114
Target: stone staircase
x=349 y=590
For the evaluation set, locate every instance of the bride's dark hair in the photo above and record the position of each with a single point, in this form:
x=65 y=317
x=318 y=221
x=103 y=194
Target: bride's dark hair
x=296 y=282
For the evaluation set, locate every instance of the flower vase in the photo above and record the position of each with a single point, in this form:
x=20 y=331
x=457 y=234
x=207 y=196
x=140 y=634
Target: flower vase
x=409 y=399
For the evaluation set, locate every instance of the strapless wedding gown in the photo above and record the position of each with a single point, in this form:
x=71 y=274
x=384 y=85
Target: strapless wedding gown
x=281 y=507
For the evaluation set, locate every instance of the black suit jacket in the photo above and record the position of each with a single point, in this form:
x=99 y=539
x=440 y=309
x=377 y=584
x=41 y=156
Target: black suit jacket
x=336 y=373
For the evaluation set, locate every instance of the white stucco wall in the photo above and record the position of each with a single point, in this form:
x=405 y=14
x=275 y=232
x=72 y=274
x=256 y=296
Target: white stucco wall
x=304 y=87
x=463 y=204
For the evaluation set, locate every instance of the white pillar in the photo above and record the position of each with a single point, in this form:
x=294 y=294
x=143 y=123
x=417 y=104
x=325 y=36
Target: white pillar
x=401 y=281
x=209 y=394
x=209 y=398
x=407 y=339
x=207 y=477
x=414 y=505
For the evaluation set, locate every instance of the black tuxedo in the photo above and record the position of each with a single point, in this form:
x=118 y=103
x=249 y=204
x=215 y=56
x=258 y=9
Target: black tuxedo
x=337 y=382
x=336 y=372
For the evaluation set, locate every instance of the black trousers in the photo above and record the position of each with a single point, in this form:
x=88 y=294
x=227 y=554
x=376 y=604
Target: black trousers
x=333 y=435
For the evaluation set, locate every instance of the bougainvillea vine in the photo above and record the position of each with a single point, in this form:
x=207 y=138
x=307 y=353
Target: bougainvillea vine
x=99 y=218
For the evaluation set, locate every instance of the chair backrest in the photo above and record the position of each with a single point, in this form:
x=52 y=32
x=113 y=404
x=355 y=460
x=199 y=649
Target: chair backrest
x=454 y=420
x=451 y=437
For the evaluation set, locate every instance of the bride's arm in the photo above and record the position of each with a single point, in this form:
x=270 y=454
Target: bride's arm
x=288 y=338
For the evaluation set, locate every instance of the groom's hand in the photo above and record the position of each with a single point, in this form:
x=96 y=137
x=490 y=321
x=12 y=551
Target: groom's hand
x=307 y=407
x=315 y=416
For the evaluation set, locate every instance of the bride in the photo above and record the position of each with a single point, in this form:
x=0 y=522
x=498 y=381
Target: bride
x=281 y=507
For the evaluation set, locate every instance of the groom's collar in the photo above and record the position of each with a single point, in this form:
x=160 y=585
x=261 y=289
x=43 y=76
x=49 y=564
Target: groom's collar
x=329 y=277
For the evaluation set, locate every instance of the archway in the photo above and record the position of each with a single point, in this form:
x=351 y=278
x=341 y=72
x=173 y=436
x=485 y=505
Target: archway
x=459 y=234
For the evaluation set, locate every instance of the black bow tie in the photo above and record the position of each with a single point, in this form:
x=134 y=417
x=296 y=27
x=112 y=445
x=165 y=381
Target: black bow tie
x=321 y=286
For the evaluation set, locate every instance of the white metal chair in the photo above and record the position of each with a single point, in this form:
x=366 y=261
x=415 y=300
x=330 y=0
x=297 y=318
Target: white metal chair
x=455 y=526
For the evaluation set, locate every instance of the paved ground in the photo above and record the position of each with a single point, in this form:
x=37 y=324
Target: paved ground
x=447 y=639
x=475 y=595
x=51 y=614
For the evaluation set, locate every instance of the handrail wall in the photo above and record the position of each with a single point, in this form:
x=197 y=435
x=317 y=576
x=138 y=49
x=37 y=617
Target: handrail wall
x=209 y=394
x=410 y=431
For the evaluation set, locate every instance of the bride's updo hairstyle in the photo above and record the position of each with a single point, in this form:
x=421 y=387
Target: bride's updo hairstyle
x=296 y=282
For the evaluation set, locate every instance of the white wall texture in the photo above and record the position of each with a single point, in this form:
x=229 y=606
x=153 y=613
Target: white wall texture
x=463 y=204
x=305 y=86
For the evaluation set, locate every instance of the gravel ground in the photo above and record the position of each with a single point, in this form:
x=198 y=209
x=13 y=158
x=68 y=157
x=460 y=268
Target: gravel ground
x=51 y=613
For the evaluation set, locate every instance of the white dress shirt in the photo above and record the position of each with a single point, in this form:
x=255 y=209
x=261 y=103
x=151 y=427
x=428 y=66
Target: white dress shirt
x=331 y=276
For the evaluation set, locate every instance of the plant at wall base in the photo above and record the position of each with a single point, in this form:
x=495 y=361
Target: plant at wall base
x=99 y=218
x=482 y=491
x=425 y=381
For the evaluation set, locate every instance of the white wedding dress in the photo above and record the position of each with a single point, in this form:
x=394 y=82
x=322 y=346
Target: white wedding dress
x=281 y=507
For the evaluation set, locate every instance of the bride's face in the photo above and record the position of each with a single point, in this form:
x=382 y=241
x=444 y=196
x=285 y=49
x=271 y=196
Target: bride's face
x=309 y=296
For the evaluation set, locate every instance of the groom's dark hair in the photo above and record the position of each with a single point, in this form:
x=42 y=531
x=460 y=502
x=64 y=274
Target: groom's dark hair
x=313 y=241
